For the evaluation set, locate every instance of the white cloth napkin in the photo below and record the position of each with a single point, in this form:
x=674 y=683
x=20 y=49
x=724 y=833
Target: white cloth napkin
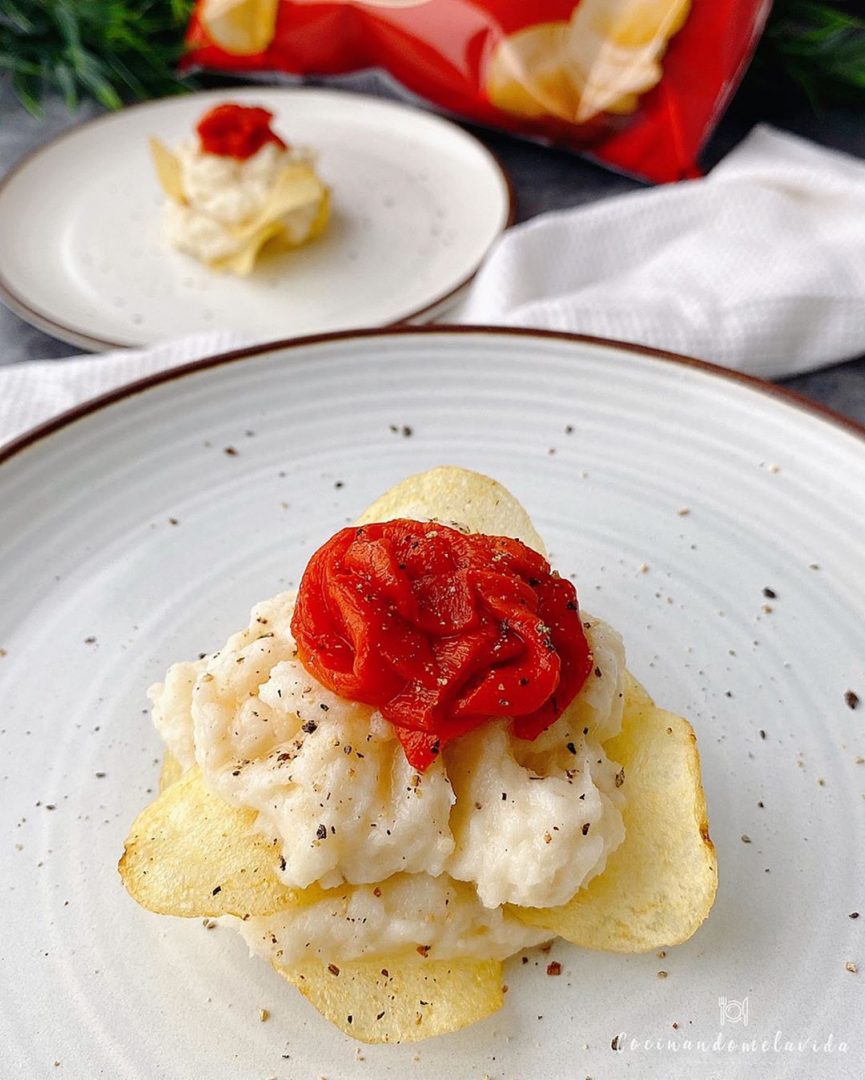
x=35 y=390
x=760 y=266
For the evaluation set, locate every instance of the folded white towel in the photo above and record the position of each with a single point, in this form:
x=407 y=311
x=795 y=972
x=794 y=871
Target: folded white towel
x=760 y=266
x=35 y=390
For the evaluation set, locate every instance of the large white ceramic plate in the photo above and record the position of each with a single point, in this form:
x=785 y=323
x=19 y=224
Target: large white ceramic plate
x=130 y=538
x=417 y=202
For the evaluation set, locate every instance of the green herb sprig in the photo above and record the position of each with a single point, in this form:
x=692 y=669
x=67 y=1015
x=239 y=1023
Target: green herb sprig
x=815 y=47
x=110 y=50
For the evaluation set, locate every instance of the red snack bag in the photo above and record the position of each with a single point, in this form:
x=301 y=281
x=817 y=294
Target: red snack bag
x=638 y=84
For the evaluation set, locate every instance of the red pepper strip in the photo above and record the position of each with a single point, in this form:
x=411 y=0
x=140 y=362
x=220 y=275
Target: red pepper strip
x=441 y=631
x=236 y=131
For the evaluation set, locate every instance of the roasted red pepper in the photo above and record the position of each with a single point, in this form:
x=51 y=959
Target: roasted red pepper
x=441 y=631
x=237 y=131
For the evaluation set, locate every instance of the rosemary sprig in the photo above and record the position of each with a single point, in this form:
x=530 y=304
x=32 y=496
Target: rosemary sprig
x=811 y=48
x=110 y=50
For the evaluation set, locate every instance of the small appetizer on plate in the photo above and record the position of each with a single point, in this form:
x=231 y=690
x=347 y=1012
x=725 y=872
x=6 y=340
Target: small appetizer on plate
x=426 y=759
x=236 y=186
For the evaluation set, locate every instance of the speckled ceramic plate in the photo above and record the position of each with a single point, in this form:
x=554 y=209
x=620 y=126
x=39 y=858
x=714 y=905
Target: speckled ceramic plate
x=715 y=522
x=417 y=202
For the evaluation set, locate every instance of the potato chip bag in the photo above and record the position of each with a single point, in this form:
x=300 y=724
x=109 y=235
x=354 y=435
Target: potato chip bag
x=638 y=84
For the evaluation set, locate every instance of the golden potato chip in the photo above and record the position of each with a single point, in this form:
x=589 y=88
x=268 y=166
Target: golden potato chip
x=631 y=24
x=171 y=771
x=239 y=27
x=616 y=46
x=321 y=219
x=453 y=495
x=296 y=186
x=191 y=854
x=527 y=75
x=601 y=61
x=167 y=167
x=241 y=262
x=377 y=1002
x=659 y=885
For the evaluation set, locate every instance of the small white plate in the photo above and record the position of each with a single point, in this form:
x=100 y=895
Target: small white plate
x=417 y=202
x=676 y=494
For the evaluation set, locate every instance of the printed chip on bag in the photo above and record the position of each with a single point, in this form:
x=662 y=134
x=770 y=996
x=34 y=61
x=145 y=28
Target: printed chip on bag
x=638 y=84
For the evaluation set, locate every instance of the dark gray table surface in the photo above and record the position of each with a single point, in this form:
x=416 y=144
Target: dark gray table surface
x=543 y=179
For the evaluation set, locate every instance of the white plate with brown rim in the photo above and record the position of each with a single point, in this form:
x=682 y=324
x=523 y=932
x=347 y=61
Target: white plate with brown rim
x=714 y=520
x=416 y=203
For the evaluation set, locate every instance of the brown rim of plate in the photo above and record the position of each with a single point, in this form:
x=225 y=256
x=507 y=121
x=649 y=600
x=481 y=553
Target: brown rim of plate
x=44 y=322
x=85 y=408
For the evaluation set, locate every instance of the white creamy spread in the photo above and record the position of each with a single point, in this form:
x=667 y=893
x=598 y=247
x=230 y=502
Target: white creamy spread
x=224 y=194
x=496 y=820
x=172 y=709
x=407 y=916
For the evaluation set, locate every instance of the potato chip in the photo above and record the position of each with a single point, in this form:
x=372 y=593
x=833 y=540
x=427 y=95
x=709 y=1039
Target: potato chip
x=527 y=75
x=660 y=884
x=167 y=167
x=379 y=1002
x=239 y=27
x=321 y=219
x=616 y=47
x=631 y=24
x=601 y=61
x=191 y=854
x=171 y=771
x=296 y=187
x=242 y=261
x=453 y=495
